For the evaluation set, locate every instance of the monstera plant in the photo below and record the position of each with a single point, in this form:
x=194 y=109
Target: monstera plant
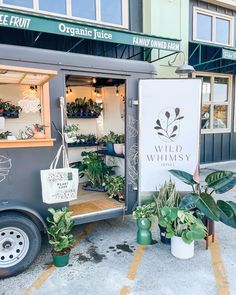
x=201 y=198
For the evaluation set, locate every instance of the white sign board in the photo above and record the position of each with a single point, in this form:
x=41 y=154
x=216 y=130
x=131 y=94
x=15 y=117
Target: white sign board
x=169 y=130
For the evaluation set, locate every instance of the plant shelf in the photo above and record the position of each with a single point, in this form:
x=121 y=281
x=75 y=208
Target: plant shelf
x=107 y=153
x=23 y=143
x=83 y=117
x=74 y=144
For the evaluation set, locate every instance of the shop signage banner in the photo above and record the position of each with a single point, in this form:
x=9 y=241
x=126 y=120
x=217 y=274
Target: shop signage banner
x=169 y=130
x=55 y=26
x=229 y=54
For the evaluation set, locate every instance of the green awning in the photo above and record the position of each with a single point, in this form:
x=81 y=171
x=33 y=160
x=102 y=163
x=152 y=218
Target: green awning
x=34 y=22
x=212 y=58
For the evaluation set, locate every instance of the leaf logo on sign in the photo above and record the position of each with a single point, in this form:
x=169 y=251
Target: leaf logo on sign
x=168 y=124
x=5 y=166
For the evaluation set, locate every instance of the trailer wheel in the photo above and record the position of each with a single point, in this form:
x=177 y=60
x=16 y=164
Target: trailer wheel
x=20 y=242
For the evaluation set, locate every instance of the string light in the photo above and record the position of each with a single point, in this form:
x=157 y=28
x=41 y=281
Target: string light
x=117 y=90
x=94 y=80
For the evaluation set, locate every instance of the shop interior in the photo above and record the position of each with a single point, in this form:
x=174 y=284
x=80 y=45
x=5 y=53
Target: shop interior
x=94 y=133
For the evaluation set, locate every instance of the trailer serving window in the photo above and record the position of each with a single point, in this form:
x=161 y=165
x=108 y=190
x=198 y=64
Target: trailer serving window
x=24 y=107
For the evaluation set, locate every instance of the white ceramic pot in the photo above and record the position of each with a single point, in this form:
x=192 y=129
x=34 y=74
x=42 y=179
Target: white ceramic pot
x=118 y=148
x=180 y=249
x=69 y=138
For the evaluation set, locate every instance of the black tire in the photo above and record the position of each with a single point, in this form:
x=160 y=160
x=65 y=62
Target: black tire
x=30 y=230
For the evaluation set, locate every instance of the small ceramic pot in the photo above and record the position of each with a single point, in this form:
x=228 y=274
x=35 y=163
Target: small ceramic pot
x=144 y=235
x=180 y=249
x=61 y=260
x=110 y=147
x=118 y=148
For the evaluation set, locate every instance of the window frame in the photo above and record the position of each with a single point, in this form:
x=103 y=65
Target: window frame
x=68 y=16
x=212 y=76
x=214 y=16
x=45 y=109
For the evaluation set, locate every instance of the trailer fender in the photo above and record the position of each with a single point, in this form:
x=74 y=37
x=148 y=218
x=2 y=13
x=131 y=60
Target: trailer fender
x=25 y=210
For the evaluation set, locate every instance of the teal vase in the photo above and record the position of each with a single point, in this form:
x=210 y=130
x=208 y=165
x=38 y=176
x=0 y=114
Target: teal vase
x=61 y=260
x=144 y=235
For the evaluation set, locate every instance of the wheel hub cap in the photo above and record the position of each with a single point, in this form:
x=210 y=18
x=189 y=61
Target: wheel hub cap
x=14 y=245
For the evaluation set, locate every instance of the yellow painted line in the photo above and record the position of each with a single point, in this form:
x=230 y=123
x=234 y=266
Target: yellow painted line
x=125 y=290
x=219 y=269
x=136 y=262
x=48 y=272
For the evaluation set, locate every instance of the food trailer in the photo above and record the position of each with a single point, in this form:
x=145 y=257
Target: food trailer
x=32 y=81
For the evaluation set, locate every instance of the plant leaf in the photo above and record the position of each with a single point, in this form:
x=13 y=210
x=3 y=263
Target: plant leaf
x=173 y=135
x=183 y=176
x=218 y=179
x=188 y=201
x=157 y=127
x=208 y=206
x=174 y=128
x=227 y=213
x=180 y=118
x=177 y=110
x=160 y=133
x=167 y=114
x=158 y=122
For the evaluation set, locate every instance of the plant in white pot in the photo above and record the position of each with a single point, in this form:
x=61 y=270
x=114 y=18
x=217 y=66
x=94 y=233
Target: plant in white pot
x=183 y=228
x=119 y=144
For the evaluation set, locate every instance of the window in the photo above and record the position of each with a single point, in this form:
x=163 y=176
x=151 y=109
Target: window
x=216 y=102
x=58 y=6
x=212 y=27
x=21 y=3
x=111 y=12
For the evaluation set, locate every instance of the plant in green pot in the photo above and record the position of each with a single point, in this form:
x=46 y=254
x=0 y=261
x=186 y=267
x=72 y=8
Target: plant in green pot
x=183 y=228
x=166 y=197
x=71 y=132
x=144 y=215
x=60 y=237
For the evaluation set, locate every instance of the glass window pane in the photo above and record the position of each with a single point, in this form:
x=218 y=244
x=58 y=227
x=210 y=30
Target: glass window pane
x=222 y=31
x=23 y=3
x=220 y=116
x=220 y=89
x=206 y=88
x=84 y=8
x=58 y=6
x=204 y=27
x=111 y=11
x=205 y=116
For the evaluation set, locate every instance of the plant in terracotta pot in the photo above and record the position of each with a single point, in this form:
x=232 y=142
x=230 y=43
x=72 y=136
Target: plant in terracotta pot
x=144 y=215
x=115 y=187
x=60 y=237
x=183 y=228
x=166 y=197
x=39 y=131
x=119 y=144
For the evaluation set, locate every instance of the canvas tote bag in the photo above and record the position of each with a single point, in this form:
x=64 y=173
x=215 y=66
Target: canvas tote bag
x=59 y=185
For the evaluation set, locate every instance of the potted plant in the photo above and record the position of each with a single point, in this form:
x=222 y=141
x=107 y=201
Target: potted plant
x=71 y=132
x=144 y=215
x=183 y=228
x=201 y=198
x=39 y=131
x=60 y=237
x=166 y=197
x=115 y=187
x=4 y=135
x=119 y=144
x=9 y=110
x=109 y=140
x=95 y=170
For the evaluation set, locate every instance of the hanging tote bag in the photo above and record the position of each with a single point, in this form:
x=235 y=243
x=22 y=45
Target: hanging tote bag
x=59 y=185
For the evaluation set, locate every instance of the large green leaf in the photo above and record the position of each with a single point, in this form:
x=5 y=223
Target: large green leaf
x=188 y=201
x=208 y=206
x=183 y=176
x=227 y=213
x=221 y=181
